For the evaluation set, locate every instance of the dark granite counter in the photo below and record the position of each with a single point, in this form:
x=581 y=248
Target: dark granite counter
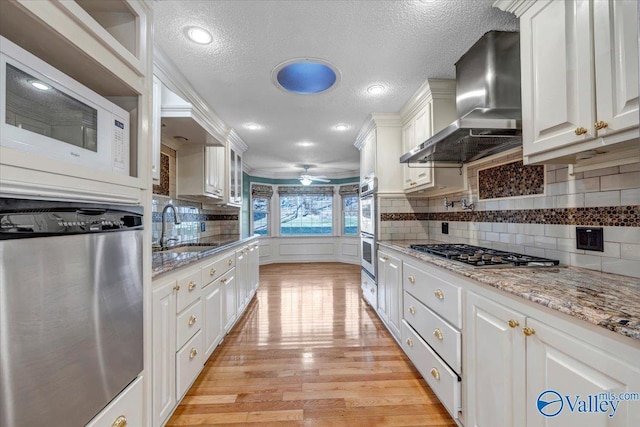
x=606 y=300
x=164 y=261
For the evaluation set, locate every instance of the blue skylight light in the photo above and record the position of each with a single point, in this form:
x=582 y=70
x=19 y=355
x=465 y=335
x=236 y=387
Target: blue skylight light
x=306 y=77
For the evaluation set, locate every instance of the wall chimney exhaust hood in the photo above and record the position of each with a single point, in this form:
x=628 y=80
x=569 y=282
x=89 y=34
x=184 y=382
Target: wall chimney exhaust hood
x=183 y=123
x=487 y=102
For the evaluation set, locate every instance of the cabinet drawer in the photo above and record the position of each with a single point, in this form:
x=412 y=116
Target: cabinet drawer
x=439 y=295
x=189 y=322
x=441 y=336
x=127 y=406
x=217 y=268
x=189 y=363
x=442 y=380
x=188 y=290
x=370 y=293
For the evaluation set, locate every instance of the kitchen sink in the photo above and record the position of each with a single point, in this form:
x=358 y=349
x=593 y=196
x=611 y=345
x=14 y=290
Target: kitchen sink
x=183 y=249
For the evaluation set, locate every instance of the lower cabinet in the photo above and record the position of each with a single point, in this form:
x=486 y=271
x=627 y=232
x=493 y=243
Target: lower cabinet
x=521 y=371
x=242 y=279
x=390 y=291
x=193 y=308
x=369 y=290
x=125 y=410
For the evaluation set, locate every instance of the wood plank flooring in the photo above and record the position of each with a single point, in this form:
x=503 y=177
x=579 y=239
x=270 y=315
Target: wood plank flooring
x=310 y=352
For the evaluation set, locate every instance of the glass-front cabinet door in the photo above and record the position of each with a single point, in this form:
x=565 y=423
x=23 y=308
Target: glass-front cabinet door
x=233 y=191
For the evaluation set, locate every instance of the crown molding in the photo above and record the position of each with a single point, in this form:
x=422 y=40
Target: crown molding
x=517 y=7
x=430 y=89
x=236 y=142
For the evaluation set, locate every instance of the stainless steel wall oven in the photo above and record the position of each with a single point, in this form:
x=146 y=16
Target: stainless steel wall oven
x=70 y=309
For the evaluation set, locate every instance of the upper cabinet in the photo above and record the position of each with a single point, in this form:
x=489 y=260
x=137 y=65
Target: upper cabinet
x=380 y=144
x=432 y=108
x=579 y=79
x=92 y=50
x=234 y=152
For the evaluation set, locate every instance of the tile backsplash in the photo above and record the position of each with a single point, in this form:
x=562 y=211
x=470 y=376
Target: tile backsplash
x=540 y=225
x=222 y=221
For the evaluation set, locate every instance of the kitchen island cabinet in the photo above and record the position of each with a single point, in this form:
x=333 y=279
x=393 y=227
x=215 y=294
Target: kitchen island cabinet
x=390 y=291
x=194 y=305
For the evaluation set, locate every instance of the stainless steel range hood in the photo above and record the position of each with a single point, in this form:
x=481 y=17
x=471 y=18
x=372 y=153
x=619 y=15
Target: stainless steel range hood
x=487 y=102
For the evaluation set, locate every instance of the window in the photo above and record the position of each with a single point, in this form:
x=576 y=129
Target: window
x=260 y=208
x=260 y=201
x=305 y=213
x=350 y=214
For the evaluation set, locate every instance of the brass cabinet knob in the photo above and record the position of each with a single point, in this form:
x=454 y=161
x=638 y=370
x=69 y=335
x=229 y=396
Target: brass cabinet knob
x=413 y=183
x=192 y=320
x=439 y=294
x=192 y=286
x=409 y=342
x=438 y=334
x=121 y=421
x=176 y=288
x=224 y=280
x=373 y=289
x=412 y=310
x=212 y=272
x=193 y=353
x=435 y=373
x=411 y=279
x=229 y=262
x=384 y=258
x=580 y=130
x=528 y=331
x=513 y=323
x=601 y=125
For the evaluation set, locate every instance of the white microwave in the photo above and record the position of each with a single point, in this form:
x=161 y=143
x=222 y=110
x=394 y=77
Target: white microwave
x=48 y=113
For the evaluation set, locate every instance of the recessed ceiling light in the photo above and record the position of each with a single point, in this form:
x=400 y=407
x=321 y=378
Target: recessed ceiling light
x=376 y=89
x=252 y=126
x=181 y=138
x=305 y=143
x=199 y=35
x=305 y=76
x=341 y=127
x=39 y=85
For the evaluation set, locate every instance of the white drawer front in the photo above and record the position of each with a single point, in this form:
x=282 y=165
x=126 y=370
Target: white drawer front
x=441 y=336
x=189 y=363
x=189 y=322
x=188 y=290
x=369 y=290
x=217 y=268
x=126 y=407
x=442 y=380
x=439 y=295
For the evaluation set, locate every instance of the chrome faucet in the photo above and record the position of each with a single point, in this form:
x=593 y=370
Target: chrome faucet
x=164 y=223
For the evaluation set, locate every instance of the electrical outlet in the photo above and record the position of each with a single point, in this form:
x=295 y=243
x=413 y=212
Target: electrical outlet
x=590 y=239
x=445 y=228
x=203 y=227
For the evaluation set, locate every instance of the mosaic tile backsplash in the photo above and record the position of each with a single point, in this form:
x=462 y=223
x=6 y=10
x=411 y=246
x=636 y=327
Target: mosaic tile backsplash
x=510 y=180
x=539 y=225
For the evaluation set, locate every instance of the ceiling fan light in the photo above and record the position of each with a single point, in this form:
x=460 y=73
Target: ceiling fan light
x=305 y=181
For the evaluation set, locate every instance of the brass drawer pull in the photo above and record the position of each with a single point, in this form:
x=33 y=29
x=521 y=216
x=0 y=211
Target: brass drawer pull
x=212 y=272
x=580 y=131
x=193 y=353
x=601 y=125
x=412 y=310
x=513 y=323
x=176 y=288
x=224 y=280
x=435 y=374
x=528 y=331
x=411 y=279
x=409 y=342
x=229 y=262
x=121 y=421
x=438 y=334
x=439 y=294
x=192 y=286
x=192 y=320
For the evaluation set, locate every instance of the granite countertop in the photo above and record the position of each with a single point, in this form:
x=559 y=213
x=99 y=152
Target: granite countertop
x=164 y=262
x=606 y=300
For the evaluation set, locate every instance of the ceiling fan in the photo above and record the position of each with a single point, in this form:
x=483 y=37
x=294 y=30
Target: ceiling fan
x=306 y=179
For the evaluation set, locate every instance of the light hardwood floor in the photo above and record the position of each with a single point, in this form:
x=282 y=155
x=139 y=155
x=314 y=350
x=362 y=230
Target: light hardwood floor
x=310 y=351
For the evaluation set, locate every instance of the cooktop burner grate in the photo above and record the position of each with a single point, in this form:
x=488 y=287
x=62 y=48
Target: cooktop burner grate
x=484 y=257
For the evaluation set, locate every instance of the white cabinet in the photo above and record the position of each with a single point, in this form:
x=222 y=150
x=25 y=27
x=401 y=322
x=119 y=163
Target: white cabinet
x=212 y=300
x=380 y=145
x=200 y=173
x=242 y=279
x=512 y=358
x=390 y=291
x=163 y=368
x=579 y=77
x=253 y=268
x=229 y=287
x=156 y=129
x=431 y=109
x=127 y=409
x=369 y=290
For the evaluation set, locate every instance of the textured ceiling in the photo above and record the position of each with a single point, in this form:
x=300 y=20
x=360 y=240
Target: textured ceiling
x=395 y=43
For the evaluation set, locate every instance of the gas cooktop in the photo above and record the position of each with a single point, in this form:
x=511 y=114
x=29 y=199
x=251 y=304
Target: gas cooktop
x=484 y=257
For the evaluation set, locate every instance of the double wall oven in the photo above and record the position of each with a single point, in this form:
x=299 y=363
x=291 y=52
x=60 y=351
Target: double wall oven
x=368 y=226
